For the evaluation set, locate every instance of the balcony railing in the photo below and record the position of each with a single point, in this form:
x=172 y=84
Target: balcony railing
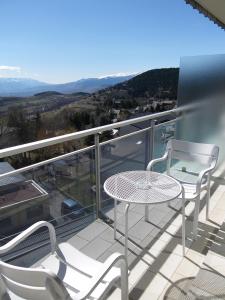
x=79 y=175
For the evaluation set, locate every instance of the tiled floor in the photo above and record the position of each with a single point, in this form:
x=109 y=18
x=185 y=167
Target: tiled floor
x=155 y=255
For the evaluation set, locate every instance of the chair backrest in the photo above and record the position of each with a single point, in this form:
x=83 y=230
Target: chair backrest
x=31 y=283
x=204 y=154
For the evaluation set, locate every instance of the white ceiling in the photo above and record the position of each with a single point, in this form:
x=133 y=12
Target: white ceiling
x=215 y=7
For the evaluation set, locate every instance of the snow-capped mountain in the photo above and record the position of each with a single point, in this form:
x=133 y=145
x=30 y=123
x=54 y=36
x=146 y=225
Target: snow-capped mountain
x=12 y=86
x=29 y=87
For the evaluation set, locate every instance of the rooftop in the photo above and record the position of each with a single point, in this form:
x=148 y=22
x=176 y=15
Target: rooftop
x=26 y=191
x=6 y=167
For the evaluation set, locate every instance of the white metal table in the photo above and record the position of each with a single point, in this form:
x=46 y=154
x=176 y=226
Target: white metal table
x=145 y=188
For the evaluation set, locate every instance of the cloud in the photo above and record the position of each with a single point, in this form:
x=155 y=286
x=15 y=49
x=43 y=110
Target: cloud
x=10 y=68
x=10 y=71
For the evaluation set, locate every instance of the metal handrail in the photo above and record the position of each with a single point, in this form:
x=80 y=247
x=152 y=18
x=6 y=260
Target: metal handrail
x=84 y=133
x=149 y=131
x=64 y=156
x=96 y=132
x=46 y=162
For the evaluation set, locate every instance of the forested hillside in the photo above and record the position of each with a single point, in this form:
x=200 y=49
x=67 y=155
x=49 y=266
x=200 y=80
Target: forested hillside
x=47 y=114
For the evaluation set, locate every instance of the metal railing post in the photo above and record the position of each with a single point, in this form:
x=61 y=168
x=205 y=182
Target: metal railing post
x=152 y=138
x=147 y=145
x=97 y=175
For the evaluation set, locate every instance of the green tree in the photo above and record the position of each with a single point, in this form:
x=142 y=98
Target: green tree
x=80 y=119
x=24 y=127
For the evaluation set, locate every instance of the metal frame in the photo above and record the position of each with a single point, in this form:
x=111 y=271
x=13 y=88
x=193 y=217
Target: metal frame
x=97 y=175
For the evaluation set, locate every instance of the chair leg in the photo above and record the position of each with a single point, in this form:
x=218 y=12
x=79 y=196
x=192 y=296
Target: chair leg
x=196 y=214
x=6 y=297
x=207 y=203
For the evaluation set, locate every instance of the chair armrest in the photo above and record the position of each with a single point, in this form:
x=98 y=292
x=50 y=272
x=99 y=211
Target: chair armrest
x=26 y=233
x=157 y=160
x=200 y=178
x=107 y=265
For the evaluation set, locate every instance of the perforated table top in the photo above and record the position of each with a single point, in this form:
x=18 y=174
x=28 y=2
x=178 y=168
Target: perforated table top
x=142 y=187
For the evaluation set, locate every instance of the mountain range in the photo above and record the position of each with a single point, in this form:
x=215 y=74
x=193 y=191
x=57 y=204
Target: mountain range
x=21 y=87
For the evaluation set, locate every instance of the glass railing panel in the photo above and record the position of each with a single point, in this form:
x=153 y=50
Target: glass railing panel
x=162 y=133
x=201 y=81
x=126 y=154
x=61 y=192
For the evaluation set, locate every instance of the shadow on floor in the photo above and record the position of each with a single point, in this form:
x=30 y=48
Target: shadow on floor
x=207 y=285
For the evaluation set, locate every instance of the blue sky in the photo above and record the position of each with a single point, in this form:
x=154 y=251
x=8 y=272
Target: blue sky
x=65 y=40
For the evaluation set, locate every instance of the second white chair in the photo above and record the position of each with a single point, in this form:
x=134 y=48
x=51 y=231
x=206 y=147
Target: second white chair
x=204 y=154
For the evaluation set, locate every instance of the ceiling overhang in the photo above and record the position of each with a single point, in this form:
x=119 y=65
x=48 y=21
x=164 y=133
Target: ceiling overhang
x=213 y=9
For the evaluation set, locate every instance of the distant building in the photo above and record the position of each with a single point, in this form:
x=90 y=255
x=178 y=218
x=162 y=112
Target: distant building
x=138 y=109
x=154 y=104
x=116 y=113
x=167 y=104
x=146 y=108
x=117 y=102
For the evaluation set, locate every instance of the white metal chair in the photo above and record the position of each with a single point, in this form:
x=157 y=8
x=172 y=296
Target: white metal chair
x=65 y=274
x=204 y=154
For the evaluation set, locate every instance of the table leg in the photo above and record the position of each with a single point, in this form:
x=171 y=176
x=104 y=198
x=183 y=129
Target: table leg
x=115 y=218
x=183 y=221
x=126 y=230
